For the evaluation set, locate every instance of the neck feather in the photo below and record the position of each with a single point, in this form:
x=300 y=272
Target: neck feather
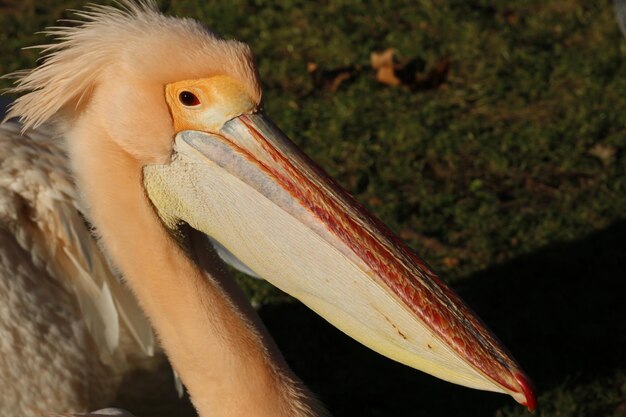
x=227 y=365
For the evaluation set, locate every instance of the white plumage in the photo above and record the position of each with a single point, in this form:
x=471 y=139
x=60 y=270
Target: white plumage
x=69 y=331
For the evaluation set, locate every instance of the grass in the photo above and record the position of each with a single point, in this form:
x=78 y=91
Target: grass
x=509 y=178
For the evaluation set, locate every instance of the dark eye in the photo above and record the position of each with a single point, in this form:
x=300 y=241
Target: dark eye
x=188 y=99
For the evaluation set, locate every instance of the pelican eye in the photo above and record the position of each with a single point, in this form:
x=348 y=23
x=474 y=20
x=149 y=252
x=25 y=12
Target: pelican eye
x=188 y=99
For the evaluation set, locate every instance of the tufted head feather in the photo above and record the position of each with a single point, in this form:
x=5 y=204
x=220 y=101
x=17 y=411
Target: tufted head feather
x=134 y=41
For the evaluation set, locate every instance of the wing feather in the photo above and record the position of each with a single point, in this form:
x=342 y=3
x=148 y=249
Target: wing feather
x=32 y=168
x=228 y=257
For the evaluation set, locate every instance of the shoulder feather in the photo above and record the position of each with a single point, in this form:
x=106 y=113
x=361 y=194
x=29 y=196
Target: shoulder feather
x=52 y=227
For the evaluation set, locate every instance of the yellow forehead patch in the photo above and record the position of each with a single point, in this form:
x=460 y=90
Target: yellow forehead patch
x=205 y=104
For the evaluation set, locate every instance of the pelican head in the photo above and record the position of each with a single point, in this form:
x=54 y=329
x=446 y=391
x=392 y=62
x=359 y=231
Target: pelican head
x=163 y=120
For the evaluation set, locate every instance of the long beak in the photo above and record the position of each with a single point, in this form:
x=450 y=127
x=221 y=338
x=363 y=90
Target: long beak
x=251 y=189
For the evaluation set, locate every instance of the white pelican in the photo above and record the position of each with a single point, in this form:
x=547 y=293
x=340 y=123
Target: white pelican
x=162 y=125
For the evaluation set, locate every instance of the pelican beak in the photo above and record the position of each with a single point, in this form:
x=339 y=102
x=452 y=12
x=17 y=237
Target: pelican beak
x=247 y=186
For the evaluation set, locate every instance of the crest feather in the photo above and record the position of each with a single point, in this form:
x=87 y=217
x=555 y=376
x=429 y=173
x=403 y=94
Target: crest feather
x=134 y=35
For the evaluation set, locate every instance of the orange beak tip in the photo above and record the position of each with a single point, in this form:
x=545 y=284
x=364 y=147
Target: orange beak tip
x=529 y=391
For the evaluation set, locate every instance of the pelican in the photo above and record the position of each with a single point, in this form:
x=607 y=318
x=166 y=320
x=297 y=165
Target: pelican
x=166 y=142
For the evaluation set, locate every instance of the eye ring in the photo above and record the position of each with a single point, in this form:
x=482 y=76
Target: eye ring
x=189 y=99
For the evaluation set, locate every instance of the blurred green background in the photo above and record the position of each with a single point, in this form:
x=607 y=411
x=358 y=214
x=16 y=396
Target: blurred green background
x=503 y=166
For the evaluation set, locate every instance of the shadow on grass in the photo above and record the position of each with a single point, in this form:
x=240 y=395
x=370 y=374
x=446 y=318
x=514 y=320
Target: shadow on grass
x=561 y=310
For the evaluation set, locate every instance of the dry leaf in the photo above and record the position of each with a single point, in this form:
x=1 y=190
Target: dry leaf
x=604 y=153
x=330 y=80
x=382 y=59
x=450 y=262
x=510 y=16
x=384 y=65
x=387 y=75
x=430 y=243
x=375 y=201
x=410 y=74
